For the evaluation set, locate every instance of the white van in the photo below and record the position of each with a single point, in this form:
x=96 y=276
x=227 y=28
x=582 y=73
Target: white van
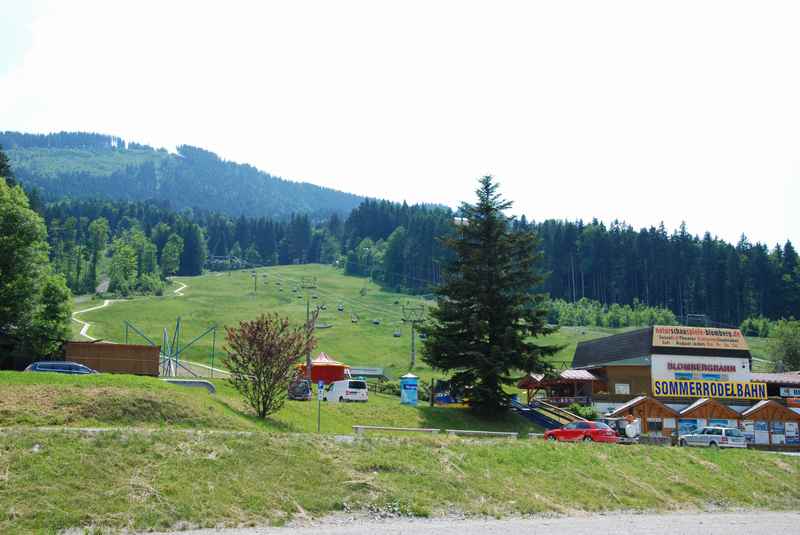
x=347 y=390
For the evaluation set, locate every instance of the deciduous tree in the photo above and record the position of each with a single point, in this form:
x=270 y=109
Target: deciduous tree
x=785 y=345
x=261 y=355
x=34 y=303
x=171 y=255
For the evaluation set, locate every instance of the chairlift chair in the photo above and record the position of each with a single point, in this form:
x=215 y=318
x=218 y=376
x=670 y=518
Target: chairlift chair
x=340 y=308
x=397 y=334
x=376 y=322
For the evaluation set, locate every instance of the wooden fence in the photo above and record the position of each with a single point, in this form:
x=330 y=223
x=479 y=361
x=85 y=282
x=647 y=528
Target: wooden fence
x=115 y=358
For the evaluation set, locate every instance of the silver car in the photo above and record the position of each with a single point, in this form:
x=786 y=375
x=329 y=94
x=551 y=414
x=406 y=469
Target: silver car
x=714 y=437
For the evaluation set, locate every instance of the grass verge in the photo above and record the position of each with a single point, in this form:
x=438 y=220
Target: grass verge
x=140 y=481
x=104 y=400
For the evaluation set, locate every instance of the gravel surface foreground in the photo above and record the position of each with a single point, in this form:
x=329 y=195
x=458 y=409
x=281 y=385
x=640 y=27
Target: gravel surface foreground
x=740 y=523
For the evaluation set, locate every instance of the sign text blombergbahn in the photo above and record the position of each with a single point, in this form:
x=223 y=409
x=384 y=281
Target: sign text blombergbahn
x=696 y=367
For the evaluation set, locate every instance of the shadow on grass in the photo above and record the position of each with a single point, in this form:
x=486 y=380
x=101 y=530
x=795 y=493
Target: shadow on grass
x=267 y=424
x=470 y=419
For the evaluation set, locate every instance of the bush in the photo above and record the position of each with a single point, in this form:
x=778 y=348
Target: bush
x=584 y=411
x=785 y=346
x=150 y=284
x=757 y=326
x=586 y=312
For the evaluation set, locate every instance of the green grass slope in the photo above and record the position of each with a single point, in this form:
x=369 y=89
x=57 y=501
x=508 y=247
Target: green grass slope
x=143 y=481
x=226 y=299
x=45 y=399
x=50 y=399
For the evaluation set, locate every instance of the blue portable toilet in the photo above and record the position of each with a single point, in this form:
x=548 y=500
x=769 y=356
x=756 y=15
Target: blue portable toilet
x=408 y=389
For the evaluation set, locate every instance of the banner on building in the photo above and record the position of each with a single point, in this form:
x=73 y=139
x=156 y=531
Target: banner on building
x=792 y=433
x=709 y=389
x=698 y=338
x=694 y=368
x=761 y=431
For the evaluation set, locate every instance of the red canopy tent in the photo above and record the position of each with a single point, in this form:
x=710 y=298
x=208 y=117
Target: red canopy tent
x=325 y=369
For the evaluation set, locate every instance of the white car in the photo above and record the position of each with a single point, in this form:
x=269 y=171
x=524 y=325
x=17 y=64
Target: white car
x=714 y=437
x=347 y=390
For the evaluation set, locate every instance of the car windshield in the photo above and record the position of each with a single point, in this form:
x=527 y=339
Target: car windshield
x=733 y=433
x=601 y=425
x=358 y=385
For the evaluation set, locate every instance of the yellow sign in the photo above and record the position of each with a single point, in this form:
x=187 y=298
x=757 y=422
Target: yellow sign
x=674 y=388
x=698 y=338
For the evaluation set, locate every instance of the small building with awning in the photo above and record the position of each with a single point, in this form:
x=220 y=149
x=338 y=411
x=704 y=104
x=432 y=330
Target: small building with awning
x=325 y=369
x=783 y=385
x=567 y=387
x=769 y=423
x=707 y=411
x=655 y=417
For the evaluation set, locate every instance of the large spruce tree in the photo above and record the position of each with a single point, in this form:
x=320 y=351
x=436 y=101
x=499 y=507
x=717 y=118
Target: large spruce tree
x=489 y=314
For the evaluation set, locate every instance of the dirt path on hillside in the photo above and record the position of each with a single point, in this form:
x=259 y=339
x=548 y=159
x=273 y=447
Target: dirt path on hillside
x=85 y=324
x=611 y=524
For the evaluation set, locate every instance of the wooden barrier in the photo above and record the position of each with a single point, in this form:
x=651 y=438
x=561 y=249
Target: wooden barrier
x=115 y=358
x=359 y=429
x=464 y=432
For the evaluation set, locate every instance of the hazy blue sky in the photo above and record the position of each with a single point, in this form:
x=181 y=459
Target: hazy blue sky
x=638 y=111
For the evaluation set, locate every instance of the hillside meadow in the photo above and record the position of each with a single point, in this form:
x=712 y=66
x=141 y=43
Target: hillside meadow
x=226 y=298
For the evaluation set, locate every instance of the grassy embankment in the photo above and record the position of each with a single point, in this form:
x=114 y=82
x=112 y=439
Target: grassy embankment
x=44 y=399
x=50 y=481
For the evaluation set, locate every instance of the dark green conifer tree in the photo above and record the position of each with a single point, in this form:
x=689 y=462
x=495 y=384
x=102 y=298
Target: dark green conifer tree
x=489 y=313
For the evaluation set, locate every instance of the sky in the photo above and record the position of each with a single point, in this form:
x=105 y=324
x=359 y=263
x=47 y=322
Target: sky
x=636 y=111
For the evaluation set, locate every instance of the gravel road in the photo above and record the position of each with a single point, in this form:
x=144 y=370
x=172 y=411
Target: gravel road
x=740 y=523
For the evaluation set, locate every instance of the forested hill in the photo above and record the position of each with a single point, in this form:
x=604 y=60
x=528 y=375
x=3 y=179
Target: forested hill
x=83 y=165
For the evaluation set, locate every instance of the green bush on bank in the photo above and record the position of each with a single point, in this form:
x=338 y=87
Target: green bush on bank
x=586 y=312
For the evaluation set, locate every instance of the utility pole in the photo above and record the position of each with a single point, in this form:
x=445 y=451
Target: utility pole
x=308 y=283
x=255 y=280
x=413 y=314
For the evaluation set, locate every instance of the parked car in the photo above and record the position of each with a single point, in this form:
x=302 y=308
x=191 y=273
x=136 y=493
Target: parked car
x=300 y=390
x=347 y=390
x=72 y=368
x=586 y=431
x=714 y=437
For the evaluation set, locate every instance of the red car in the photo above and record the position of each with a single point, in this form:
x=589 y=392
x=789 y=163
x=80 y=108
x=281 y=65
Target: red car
x=586 y=431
